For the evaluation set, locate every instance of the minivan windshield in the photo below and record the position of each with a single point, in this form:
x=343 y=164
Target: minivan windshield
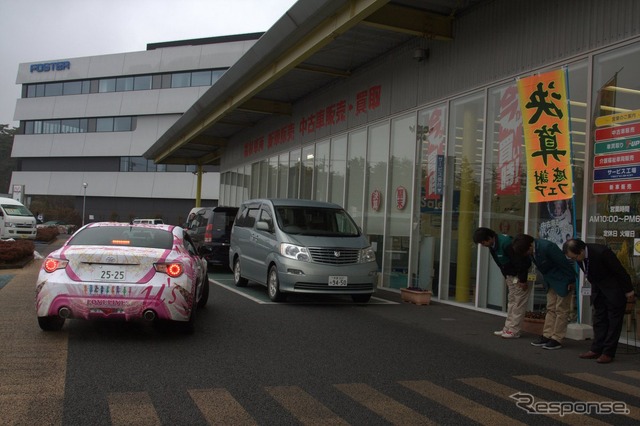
x=316 y=221
x=16 y=210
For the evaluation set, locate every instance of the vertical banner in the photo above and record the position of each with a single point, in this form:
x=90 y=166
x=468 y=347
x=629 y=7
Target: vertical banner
x=433 y=142
x=509 y=143
x=545 y=116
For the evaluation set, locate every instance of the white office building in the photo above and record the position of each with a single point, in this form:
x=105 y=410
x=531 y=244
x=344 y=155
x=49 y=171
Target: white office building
x=86 y=122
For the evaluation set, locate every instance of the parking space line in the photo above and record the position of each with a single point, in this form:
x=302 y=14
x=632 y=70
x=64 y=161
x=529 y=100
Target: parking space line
x=243 y=292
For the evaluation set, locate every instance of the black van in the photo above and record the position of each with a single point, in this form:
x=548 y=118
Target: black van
x=210 y=230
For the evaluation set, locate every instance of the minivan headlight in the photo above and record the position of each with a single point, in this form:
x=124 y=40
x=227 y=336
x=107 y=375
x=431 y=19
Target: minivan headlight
x=295 y=252
x=367 y=255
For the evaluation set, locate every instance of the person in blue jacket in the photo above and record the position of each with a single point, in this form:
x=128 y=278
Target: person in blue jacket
x=559 y=281
x=515 y=270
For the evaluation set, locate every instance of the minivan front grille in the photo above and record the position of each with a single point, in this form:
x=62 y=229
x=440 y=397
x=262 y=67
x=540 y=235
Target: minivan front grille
x=334 y=256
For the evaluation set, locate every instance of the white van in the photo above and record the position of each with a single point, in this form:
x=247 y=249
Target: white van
x=16 y=221
x=148 y=221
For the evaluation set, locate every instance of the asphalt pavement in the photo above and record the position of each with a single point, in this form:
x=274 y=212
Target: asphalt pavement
x=36 y=384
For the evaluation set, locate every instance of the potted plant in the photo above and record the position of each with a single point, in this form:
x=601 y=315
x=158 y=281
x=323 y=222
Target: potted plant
x=534 y=322
x=416 y=295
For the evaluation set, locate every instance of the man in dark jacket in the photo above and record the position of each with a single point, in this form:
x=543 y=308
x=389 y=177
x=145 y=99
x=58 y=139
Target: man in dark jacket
x=515 y=270
x=559 y=281
x=611 y=289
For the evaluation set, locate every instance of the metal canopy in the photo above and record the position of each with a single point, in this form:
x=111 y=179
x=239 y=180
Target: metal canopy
x=313 y=44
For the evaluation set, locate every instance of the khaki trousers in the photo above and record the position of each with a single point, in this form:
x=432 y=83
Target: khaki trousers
x=558 y=309
x=517 y=299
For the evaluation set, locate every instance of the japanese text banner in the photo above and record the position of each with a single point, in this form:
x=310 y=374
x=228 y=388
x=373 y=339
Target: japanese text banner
x=545 y=117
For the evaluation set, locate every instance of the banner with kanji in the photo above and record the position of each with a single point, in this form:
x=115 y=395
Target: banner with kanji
x=509 y=123
x=545 y=117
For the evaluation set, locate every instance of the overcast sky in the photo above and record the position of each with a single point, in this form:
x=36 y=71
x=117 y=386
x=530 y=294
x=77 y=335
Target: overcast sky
x=42 y=30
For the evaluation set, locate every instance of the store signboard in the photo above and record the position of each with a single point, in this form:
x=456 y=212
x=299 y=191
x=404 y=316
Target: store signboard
x=613 y=173
x=616 y=145
x=620 y=159
x=616 y=187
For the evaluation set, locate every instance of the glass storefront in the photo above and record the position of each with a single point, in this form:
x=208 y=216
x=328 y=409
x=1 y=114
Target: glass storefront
x=420 y=183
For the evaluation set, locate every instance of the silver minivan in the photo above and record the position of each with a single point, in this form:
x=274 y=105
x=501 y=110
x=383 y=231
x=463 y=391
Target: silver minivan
x=301 y=246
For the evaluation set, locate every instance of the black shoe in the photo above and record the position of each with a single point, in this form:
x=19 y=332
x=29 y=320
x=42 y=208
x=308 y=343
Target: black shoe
x=552 y=344
x=540 y=341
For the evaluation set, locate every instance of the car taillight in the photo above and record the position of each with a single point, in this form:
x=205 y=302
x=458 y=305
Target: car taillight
x=208 y=233
x=51 y=264
x=174 y=270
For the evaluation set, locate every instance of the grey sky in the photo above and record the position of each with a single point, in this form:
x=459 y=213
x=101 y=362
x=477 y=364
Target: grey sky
x=41 y=30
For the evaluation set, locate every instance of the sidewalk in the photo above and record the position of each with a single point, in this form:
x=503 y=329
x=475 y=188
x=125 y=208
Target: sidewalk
x=33 y=362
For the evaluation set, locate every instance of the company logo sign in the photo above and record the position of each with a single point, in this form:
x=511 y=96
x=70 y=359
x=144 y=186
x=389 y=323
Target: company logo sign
x=50 y=66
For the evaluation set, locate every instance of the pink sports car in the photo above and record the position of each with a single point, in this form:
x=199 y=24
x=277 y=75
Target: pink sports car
x=122 y=271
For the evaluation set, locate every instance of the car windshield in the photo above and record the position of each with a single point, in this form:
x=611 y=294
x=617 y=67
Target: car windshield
x=128 y=236
x=15 y=210
x=316 y=221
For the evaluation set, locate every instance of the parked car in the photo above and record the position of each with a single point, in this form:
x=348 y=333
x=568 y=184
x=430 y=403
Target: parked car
x=63 y=227
x=148 y=221
x=210 y=230
x=16 y=221
x=301 y=246
x=122 y=271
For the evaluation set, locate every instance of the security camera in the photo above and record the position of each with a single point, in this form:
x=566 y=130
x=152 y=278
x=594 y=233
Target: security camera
x=420 y=54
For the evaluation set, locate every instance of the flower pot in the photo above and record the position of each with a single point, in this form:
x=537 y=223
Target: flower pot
x=533 y=325
x=418 y=297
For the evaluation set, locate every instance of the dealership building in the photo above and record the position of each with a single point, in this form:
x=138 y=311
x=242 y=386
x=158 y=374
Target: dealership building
x=406 y=113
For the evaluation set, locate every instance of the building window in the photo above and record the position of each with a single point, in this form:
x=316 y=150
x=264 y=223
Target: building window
x=201 y=78
x=104 y=124
x=142 y=82
x=124 y=84
x=107 y=85
x=182 y=79
x=72 y=88
x=53 y=89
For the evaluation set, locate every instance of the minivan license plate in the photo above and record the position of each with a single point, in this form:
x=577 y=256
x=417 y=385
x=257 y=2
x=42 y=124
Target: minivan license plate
x=338 y=280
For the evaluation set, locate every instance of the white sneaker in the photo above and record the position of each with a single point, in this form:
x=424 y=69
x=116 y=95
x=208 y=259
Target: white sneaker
x=499 y=332
x=509 y=335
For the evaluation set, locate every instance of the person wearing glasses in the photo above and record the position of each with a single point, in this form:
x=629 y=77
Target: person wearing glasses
x=611 y=289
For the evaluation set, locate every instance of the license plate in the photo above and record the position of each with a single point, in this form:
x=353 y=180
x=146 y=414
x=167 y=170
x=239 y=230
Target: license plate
x=108 y=273
x=337 y=281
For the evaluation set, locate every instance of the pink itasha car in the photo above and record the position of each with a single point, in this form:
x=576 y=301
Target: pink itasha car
x=122 y=271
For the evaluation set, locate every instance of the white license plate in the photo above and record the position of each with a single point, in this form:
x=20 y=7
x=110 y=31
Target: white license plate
x=109 y=273
x=337 y=281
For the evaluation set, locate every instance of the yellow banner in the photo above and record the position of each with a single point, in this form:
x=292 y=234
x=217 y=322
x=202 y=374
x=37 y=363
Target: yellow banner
x=545 y=118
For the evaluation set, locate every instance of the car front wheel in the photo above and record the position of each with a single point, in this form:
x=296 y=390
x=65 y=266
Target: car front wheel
x=273 y=285
x=238 y=280
x=360 y=298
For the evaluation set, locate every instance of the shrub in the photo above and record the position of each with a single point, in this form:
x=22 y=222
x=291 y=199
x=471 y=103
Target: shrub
x=14 y=251
x=47 y=234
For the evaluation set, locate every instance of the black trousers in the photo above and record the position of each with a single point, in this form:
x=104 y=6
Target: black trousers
x=608 y=316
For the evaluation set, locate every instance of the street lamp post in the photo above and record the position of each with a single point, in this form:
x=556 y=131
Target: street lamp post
x=84 y=200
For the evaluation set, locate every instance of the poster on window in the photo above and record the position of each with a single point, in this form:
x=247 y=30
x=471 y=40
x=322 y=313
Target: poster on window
x=510 y=143
x=545 y=117
x=432 y=135
x=556 y=221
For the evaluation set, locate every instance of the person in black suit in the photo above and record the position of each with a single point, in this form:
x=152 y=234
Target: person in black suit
x=611 y=289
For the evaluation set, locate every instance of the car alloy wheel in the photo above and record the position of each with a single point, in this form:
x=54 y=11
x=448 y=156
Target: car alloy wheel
x=273 y=285
x=238 y=280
